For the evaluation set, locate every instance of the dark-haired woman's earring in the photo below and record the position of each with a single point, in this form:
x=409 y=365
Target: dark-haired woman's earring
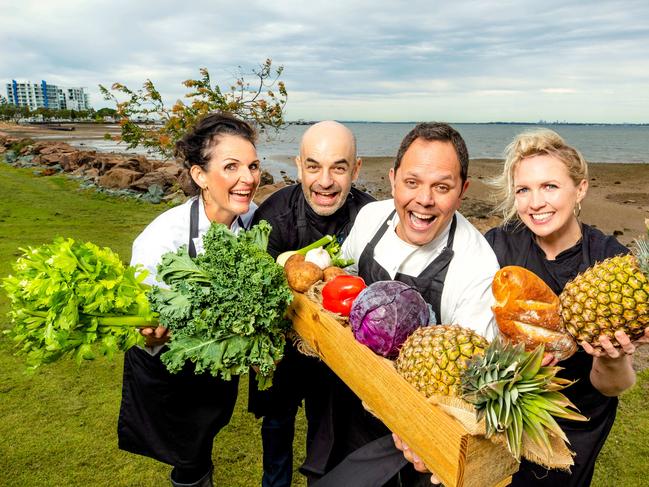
x=577 y=210
x=203 y=190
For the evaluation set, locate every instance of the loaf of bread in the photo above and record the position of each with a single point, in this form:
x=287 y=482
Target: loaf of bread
x=527 y=311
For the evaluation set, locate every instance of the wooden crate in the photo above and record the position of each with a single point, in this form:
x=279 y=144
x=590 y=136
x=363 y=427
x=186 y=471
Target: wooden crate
x=459 y=459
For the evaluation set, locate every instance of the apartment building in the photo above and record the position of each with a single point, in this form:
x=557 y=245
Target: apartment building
x=44 y=95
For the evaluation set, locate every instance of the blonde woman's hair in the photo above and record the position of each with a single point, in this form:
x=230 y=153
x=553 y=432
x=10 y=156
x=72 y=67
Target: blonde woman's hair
x=529 y=144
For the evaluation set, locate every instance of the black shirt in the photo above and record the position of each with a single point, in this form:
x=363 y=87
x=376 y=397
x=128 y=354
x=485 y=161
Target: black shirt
x=296 y=225
x=287 y=209
x=516 y=245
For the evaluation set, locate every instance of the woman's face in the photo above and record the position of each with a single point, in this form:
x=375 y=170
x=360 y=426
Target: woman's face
x=230 y=179
x=546 y=196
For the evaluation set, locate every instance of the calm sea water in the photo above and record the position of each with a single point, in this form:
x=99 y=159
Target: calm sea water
x=598 y=143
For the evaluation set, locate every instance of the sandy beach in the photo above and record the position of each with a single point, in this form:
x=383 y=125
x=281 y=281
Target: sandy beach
x=617 y=200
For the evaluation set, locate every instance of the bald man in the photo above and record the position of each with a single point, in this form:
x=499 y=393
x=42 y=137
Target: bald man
x=324 y=203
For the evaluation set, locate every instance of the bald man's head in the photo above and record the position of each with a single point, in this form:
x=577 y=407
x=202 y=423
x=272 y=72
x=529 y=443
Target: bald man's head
x=327 y=165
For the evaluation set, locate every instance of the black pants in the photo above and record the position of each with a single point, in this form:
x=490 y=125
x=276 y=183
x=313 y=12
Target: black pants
x=297 y=378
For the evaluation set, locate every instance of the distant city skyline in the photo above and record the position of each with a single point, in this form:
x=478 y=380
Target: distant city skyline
x=469 y=61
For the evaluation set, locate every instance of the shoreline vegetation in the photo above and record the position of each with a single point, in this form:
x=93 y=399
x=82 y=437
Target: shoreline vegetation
x=78 y=429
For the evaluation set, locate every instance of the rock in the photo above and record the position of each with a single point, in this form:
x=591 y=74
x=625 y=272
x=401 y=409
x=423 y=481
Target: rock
x=92 y=173
x=48 y=159
x=135 y=163
x=265 y=191
x=172 y=169
x=147 y=165
x=119 y=178
x=70 y=162
x=186 y=183
x=53 y=148
x=287 y=180
x=154 y=177
x=176 y=197
x=266 y=178
x=87 y=158
x=106 y=162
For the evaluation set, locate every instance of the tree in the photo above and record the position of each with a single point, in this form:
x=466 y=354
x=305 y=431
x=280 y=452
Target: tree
x=146 y=121
x=106 y=112
x=64 y=114
x=45 y=113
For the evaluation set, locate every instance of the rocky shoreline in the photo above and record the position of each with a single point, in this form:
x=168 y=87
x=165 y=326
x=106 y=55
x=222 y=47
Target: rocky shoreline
x=124 y=174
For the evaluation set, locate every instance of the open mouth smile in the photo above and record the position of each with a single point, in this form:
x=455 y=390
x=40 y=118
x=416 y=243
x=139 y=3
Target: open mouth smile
x=421 y=221
x=325 y=198
x=241 y=194
x=541 y=217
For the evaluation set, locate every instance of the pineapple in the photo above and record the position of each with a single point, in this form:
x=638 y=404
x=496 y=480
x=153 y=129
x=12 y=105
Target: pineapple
x=612 y=295
x=506 y=385
x=433 y=358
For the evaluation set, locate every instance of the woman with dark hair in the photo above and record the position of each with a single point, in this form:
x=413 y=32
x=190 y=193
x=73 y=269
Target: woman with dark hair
x=175 y=417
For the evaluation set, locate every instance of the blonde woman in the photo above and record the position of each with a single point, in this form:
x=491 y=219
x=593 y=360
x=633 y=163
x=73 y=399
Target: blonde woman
x=543 y=183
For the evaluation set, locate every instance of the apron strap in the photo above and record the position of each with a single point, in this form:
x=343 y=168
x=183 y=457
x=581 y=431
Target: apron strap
x=193 y=227
x=240 y=223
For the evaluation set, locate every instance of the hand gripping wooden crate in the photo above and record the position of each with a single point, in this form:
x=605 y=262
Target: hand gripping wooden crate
x=459 y=458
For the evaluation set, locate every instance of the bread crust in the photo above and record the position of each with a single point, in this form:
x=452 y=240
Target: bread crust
x=527 y=311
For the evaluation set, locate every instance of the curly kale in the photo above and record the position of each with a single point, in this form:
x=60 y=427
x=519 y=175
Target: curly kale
x=225 y=308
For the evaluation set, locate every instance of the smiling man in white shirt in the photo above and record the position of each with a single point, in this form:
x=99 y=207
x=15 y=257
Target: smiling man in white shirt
x=429 y=179
x=421 y=239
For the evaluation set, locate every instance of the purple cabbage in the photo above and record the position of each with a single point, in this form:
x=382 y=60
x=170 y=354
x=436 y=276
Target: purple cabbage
x=385 y=313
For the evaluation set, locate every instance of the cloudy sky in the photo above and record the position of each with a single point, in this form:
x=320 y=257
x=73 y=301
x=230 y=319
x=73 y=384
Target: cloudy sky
x=459 y=61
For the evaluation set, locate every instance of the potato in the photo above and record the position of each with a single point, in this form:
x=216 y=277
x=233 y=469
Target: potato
x=284 y=256
x=302 y=275
x=292 y=260
x=331 y=272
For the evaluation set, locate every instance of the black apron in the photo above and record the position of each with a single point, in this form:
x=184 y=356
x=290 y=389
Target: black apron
x=173 y=418
x=586 y=438
x=359 y=446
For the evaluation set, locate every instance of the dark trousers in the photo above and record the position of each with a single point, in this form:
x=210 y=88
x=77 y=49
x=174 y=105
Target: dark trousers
x=277 y=432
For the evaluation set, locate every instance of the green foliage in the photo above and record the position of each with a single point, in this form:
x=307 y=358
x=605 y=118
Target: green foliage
x=225 y=307
x=106 y=112
x=13 y=112
x=77 y=299
x=146 y=121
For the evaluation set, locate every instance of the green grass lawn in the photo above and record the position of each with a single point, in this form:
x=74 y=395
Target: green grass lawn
x=58 y=425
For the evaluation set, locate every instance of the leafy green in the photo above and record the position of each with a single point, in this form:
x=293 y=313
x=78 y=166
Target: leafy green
x=335 y=251
x=71 y=298
x=225 y=307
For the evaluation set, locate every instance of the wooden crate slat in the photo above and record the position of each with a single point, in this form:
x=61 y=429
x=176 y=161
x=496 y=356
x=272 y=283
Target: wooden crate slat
x=459 y=458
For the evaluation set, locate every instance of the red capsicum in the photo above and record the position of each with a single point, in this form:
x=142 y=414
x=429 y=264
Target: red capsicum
x=339 y=293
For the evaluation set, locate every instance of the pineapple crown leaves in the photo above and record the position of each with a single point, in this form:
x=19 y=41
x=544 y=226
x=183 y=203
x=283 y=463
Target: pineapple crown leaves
x=516 y=395
x=641 y=252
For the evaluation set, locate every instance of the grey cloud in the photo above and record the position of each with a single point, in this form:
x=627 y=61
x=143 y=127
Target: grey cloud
x=339 y=52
